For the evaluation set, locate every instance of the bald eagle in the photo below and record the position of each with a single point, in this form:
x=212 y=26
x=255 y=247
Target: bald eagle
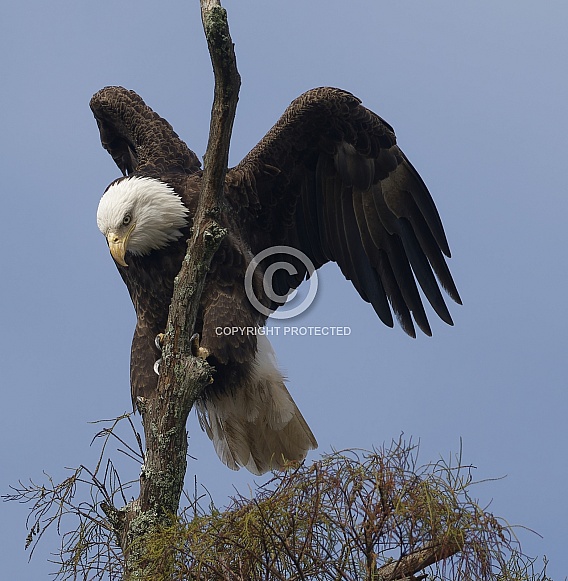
x=329 y=180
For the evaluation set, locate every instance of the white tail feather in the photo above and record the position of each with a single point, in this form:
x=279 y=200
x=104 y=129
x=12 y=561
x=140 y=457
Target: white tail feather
x=257 y=424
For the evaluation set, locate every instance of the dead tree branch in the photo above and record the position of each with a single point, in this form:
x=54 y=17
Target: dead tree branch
x=182 y=375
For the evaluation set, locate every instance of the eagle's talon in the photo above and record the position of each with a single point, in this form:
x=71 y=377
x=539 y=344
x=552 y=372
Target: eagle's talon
x=194 y=344
x=159 y=341
x=157 y=366
x=196 y=350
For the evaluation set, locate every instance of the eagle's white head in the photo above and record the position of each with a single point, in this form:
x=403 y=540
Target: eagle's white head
x=138 y=215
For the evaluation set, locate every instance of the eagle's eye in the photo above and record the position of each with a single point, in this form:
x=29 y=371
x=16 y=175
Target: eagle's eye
x=126 y=220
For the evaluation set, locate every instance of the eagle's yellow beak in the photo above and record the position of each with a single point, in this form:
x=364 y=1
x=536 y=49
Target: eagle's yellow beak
x=118 y=244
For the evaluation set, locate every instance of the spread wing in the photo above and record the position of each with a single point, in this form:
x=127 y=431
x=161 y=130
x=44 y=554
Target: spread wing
x=330 y=180
x=136 y=137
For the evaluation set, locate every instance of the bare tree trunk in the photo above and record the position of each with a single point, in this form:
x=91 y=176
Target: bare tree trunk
x=182 y=376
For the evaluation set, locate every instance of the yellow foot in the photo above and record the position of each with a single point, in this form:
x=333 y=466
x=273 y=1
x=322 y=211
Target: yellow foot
x=159 y=341
x=196 y=350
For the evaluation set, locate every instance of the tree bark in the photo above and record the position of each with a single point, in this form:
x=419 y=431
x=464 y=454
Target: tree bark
x=182 y=375
x=408 y=565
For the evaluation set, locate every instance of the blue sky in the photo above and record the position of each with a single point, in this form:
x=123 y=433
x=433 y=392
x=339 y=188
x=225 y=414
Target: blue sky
x=477 y=94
